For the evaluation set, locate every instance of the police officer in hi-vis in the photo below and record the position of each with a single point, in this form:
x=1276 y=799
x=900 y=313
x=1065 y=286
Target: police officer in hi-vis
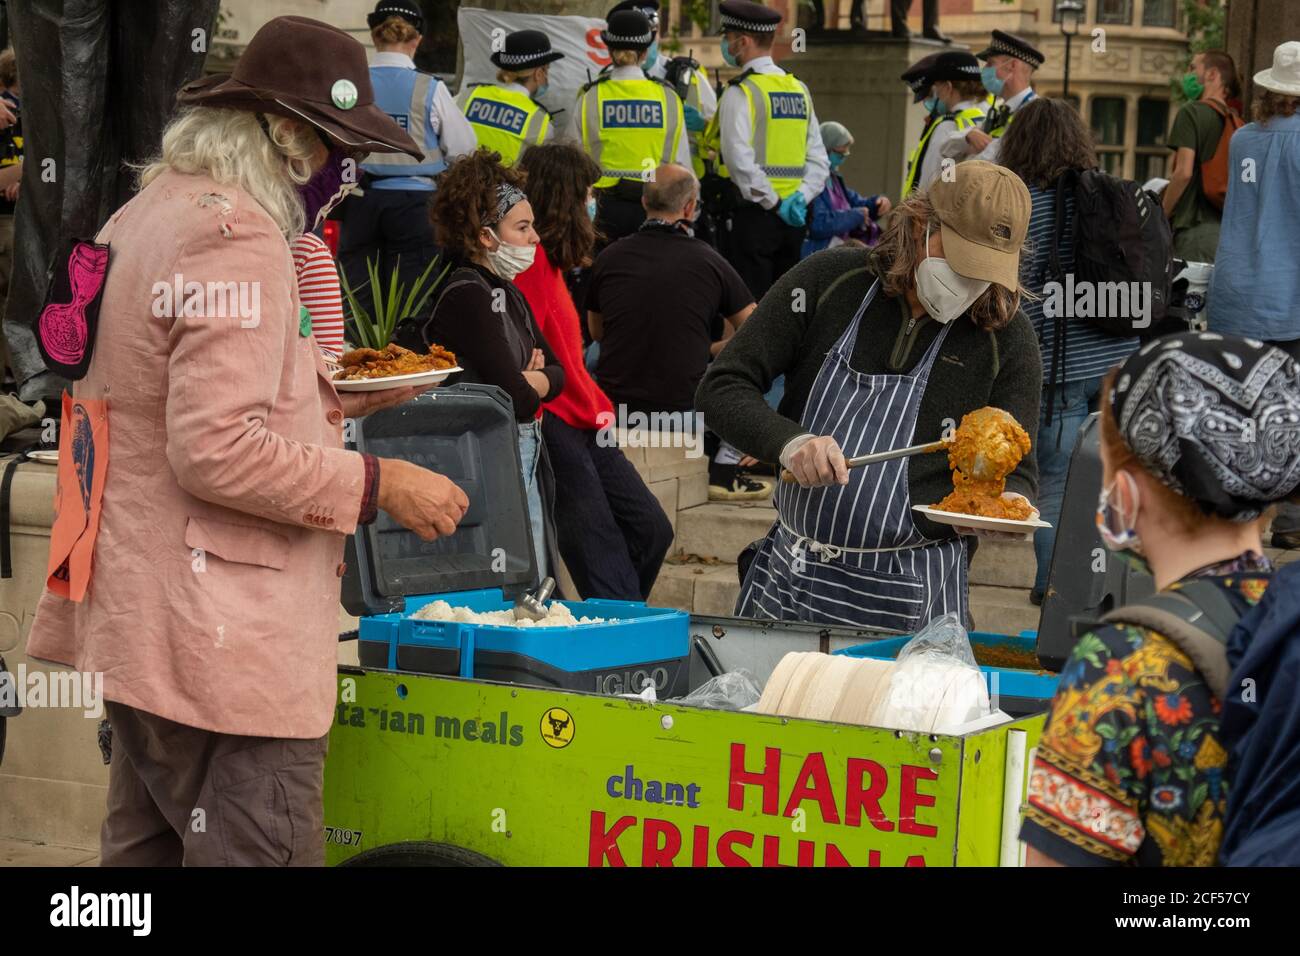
x=629 y=124
x=1008 y=74
x=683 y=74
x=389 y=221
x=955 y=85
x=503 y=114
x=918 y=81
x=771 y=149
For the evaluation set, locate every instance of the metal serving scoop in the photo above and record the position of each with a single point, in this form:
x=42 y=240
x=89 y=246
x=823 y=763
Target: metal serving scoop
x=533 y=606
x=787 y=475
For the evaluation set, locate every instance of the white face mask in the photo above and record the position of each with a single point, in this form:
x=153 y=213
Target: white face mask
x=508 y=261
x=944 y=293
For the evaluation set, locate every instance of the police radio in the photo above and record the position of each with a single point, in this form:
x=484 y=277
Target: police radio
x=678 y=72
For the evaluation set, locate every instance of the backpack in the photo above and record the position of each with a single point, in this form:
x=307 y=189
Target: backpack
x=1214 y=171
x=1120 y=236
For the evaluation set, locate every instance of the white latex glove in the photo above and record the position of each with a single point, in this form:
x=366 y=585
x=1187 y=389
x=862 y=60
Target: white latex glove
x=815 y=461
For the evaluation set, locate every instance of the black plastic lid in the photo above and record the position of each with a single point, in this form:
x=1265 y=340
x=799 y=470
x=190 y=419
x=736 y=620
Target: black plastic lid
x=468 y=433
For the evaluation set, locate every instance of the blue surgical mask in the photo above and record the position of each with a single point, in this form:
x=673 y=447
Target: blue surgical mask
x=837 y=160
x=651 y=55
x=591 y=208
x=989 y=77
x=932 y=104
x=541 y=91
x=727 y=55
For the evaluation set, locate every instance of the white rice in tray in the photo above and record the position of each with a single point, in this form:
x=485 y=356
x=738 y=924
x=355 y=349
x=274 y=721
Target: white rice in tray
x=558 y=615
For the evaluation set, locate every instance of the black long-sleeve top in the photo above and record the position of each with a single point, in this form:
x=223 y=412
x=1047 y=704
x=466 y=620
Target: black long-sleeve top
x=487 y=322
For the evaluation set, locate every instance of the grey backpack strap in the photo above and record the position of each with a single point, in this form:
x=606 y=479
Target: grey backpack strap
x=1198 y=618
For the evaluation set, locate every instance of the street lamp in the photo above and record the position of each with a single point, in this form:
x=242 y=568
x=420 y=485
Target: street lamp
x=1071 y=14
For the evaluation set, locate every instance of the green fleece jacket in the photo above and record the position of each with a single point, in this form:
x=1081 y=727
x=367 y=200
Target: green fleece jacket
x=798 y=322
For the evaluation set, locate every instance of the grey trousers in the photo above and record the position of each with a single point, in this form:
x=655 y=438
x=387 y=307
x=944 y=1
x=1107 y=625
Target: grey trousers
x=181 y=796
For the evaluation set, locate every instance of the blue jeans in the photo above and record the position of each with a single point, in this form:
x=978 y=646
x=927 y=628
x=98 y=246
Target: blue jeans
x=530 y=452
x=1055 y=443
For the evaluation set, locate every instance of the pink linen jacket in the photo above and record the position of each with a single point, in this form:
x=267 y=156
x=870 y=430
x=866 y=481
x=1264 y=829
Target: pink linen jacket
x=214 y=590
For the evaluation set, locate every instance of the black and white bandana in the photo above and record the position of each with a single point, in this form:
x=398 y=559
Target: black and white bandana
x=507 y=198
x=1214 y=417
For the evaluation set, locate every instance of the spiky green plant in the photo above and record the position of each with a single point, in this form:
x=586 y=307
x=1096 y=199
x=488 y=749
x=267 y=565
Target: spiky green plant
x=373 y=328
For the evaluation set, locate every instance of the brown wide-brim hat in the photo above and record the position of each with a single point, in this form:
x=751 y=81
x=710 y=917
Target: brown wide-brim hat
x=307 y=70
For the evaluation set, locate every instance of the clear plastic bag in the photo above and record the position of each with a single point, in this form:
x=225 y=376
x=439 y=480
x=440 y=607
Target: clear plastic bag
x=734 y=690
x=936 y=686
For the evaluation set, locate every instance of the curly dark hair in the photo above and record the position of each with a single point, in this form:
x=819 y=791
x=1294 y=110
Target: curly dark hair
x=466 y=200
x=1047 y=138
x=559 y=175
x=1269 y=104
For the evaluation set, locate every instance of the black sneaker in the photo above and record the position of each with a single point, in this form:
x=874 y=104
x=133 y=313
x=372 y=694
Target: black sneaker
x=740 y=488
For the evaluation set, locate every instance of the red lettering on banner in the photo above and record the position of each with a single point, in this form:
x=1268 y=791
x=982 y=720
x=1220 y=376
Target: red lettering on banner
x=603 y=844
x=813 y=782
x=910 y=799
x=915 y=861
x=769 y=779
x=652 y=854
x=857 y=799
x=597 y=52
x=772 y=852
x=729 y=857
x=700 y=847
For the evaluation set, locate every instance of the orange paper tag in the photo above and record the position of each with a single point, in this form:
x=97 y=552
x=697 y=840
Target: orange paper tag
x=83 y=463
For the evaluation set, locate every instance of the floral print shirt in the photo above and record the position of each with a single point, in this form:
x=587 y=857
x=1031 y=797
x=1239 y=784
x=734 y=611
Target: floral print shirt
x=1129 y=769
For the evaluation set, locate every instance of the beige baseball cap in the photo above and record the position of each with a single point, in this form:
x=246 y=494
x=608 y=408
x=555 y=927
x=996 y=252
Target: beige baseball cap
x=985 y=215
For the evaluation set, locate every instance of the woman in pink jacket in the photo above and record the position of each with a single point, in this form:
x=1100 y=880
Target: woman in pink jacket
x=216 y=528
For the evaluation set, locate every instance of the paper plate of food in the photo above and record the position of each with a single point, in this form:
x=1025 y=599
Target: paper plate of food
x=987 y=446
x=373 y=370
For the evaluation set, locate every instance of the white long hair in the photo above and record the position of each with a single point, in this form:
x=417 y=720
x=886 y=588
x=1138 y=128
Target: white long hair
x=232 y=148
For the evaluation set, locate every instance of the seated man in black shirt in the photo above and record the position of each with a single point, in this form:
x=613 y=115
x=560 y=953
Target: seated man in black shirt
x=661 y=303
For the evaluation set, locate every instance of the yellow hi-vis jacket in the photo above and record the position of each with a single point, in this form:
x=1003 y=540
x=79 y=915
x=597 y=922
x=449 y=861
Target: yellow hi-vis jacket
x=505 y=120
x=629 y=127
x=968 y=118
x=779 y=108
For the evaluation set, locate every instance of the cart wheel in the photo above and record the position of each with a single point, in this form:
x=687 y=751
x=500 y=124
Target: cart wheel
x=419 y=853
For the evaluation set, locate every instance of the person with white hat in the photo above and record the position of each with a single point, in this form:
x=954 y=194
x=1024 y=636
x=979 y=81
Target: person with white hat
x=1256 y=280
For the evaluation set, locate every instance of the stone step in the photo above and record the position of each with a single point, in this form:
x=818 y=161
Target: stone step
x=722 y=529
x=1005 y=564
x=1002 y=610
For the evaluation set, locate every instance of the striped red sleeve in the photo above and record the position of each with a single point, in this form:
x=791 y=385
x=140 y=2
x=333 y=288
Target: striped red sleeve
x=318 y=289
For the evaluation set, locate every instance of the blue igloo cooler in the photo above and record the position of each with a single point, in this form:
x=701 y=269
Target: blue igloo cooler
x=468 y=433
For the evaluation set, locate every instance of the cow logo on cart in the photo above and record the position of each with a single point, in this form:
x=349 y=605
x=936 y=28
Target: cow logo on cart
x=557 y=728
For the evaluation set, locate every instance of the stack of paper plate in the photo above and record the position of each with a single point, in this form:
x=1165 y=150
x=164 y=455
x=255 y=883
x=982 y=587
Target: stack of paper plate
x=920 y=695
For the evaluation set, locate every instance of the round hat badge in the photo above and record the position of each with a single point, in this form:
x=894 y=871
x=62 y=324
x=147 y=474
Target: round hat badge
x=344 y=94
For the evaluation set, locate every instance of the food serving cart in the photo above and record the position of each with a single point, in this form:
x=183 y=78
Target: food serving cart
x=457 y=744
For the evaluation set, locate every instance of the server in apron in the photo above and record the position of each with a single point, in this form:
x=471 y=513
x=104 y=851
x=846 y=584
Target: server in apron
x=889 y=349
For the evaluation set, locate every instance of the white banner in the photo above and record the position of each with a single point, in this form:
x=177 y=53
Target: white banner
x=483 y=31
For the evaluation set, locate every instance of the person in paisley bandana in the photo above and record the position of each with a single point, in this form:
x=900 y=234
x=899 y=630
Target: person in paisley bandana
x=1130 y=768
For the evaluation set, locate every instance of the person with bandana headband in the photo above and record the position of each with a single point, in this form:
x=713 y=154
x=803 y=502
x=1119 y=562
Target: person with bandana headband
x=1199 y=436
x=1194 y=138
x=839 y=214
x=484 y=221
x=881 y=349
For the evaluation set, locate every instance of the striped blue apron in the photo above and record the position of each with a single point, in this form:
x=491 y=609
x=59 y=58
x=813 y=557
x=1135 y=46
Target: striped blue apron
x=851 y=554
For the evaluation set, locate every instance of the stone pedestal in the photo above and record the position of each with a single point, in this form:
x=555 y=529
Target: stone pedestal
x=854 y=79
